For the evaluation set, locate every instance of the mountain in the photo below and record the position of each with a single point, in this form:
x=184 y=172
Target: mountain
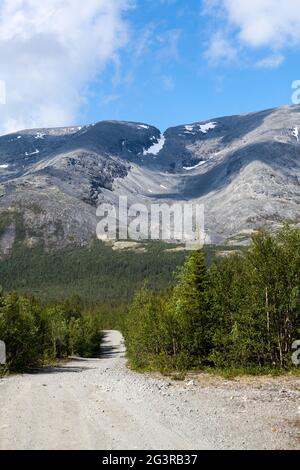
x=245 y=169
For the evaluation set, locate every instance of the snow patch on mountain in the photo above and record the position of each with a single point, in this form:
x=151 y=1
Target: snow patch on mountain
x=296 y=133
x=40 y=135
x=204 y=128
x=157 y=147
x=32 y=153
x=17 y=138
x=188 y=168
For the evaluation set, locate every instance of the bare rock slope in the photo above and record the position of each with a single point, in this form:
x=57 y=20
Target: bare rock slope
x=245 y=169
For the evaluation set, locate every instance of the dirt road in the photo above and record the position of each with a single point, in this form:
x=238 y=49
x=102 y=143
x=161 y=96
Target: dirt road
x=100 y=404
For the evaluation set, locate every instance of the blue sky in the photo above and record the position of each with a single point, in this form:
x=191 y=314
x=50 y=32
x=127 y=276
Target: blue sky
x=171 y=80
x=163 y=62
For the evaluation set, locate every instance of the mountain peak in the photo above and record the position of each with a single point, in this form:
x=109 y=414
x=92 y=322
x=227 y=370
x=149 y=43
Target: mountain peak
x=245 y=169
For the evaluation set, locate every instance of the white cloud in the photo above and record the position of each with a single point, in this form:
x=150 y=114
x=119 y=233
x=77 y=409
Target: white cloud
x=220 y=50
x=272 y=24
x=169 y=43
x=49 y=51
x=144 y=41
x=270 y=62
x=107 y=99
x=159 y=42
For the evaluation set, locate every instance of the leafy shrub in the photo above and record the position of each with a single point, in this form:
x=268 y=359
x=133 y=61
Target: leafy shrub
x=36 y=334
x=241 y=313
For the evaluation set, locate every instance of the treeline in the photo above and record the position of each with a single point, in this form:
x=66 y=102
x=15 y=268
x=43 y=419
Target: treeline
x=35 y=334
x=98 y=274
x=241 y=312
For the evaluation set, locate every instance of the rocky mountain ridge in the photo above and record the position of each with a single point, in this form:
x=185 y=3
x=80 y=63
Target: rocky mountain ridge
x=245 y=169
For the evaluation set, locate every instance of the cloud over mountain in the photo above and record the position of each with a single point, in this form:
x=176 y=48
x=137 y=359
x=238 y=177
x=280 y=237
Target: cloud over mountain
x=270 y=24
x=50 y=51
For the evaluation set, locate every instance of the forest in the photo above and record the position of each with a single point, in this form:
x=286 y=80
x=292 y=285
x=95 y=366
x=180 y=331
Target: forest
x=36 y=335
x=242 y=312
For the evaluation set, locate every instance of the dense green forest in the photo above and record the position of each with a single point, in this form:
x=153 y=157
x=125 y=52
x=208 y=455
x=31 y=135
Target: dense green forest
x=39 y=325
x=97 y=274
x=36 y=322
x=36 y=335
x=238 y=311
x=243 y=311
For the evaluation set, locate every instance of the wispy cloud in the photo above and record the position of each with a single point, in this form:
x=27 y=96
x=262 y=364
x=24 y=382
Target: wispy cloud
x=255 y=24
x=270 y=62
x=220 y=50
x=108 y=99
x=49 y=51
x=168 y=83
x=155 y=47
x=168 y=44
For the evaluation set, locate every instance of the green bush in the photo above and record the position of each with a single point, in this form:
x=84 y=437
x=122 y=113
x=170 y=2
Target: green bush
x=19 y=331
x=36 y=334
x=243 y=312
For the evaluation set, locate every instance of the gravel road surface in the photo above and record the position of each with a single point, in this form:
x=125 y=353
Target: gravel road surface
x=100 y=404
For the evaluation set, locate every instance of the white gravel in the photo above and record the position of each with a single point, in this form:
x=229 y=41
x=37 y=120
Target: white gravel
x=100 y=404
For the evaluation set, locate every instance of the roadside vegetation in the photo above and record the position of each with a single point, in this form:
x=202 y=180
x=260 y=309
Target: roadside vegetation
x=241 y=313
x=35 y=334
x=234 y=314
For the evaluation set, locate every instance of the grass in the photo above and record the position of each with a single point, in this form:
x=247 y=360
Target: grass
x=228 y=373
x=231 y=373
x=3 y=371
